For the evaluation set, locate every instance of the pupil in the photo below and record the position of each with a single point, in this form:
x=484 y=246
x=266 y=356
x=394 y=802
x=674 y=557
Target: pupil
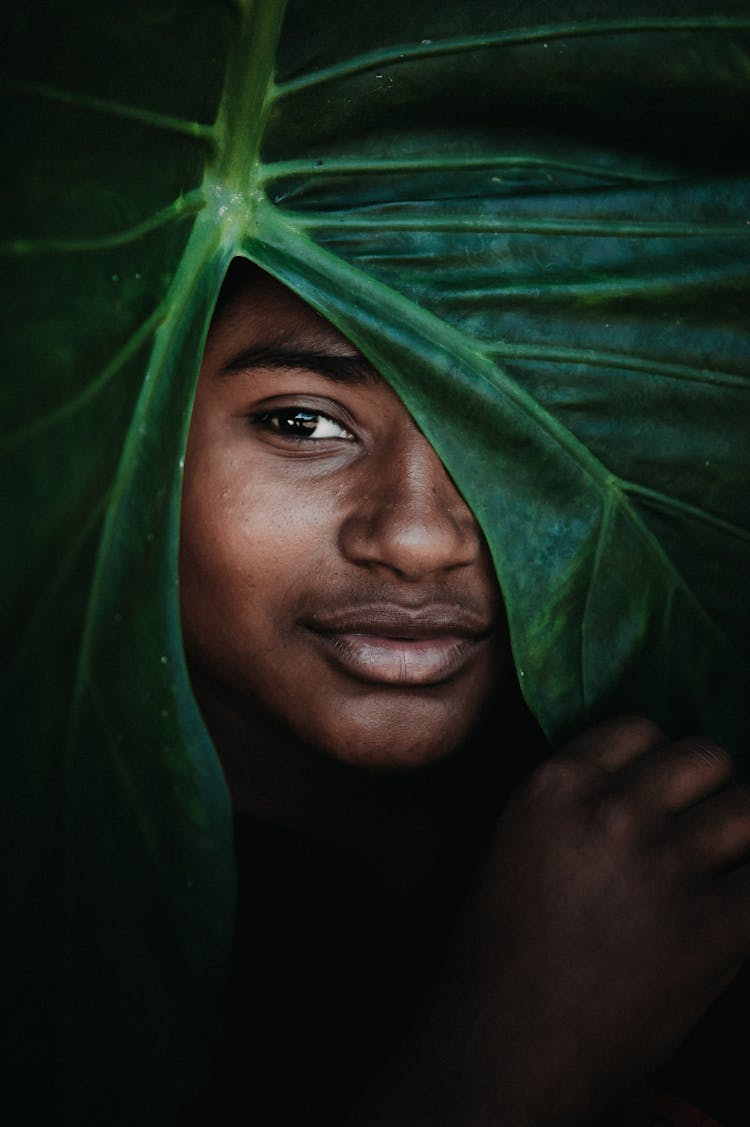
x=301 y=422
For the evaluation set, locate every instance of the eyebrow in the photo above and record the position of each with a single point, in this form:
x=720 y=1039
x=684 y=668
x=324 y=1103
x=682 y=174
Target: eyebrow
x=342 y=369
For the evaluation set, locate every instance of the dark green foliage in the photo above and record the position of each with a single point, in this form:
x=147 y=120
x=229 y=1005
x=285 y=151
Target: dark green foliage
x=535 y=220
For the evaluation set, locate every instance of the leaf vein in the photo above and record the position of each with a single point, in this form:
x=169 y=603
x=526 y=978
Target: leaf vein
x=184 y=206
x=680 y=583
x=277 y=170
x=601 y=358
x=605 y=523
x=164 y=122
x=675 y=504
x=454 y=45
x=92 y=389
x=519 y=225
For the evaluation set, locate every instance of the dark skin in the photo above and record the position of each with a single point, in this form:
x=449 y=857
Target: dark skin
x=339 y=605
x=346 y=636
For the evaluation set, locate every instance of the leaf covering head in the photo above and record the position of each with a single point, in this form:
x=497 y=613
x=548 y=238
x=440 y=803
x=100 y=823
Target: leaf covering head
x=532 y=220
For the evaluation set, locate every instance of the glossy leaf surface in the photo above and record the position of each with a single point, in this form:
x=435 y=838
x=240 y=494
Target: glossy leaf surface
x=535 y=221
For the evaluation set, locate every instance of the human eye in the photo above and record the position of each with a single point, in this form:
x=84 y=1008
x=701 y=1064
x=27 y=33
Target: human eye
x=301 y=424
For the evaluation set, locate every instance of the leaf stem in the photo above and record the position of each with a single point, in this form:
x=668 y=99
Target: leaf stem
x=247 y=96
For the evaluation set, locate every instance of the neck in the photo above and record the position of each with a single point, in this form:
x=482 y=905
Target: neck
x=400 y=823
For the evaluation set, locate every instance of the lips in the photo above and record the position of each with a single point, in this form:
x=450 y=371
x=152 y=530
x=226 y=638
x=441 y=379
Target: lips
x=394 y=645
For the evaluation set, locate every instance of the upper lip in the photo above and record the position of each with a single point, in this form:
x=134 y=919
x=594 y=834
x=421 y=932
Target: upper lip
x=390 y=620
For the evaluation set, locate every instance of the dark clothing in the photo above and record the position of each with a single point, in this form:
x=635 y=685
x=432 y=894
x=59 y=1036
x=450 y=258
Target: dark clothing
x=329 y=966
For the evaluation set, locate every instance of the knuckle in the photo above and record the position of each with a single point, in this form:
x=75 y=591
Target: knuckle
x=641 y=729
x=556 y=777
x=617 y=819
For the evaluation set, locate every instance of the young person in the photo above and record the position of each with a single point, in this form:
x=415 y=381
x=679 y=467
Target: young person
x=441 y=921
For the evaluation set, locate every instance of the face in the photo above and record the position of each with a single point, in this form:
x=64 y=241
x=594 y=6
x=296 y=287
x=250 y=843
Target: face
x=335 y=587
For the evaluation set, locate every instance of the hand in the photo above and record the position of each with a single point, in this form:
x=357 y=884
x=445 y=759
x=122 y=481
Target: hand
x=613 y=908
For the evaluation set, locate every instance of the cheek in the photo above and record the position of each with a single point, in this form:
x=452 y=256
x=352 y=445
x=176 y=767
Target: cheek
x=246 y=554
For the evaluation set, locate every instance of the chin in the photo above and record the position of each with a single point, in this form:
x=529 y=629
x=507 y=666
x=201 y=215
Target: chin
x=390 y=746
x=390 y=730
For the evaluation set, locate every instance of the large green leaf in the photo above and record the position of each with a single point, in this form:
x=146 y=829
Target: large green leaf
x=535 y=220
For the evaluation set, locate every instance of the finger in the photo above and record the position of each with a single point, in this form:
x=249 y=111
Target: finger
x=716 y=832
x=615 y=743
x=680 y=774
x=732 y=913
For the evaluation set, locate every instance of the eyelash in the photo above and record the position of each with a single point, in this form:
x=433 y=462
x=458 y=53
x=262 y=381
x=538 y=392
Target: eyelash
x=273 y=421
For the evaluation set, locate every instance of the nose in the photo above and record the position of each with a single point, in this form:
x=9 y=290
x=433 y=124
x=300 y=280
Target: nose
x=408 y=518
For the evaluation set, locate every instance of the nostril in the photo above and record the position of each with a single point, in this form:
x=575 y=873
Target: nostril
x=410 y=537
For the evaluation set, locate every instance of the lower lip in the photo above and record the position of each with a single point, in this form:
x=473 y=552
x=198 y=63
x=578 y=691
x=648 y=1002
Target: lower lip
x=399 y=661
